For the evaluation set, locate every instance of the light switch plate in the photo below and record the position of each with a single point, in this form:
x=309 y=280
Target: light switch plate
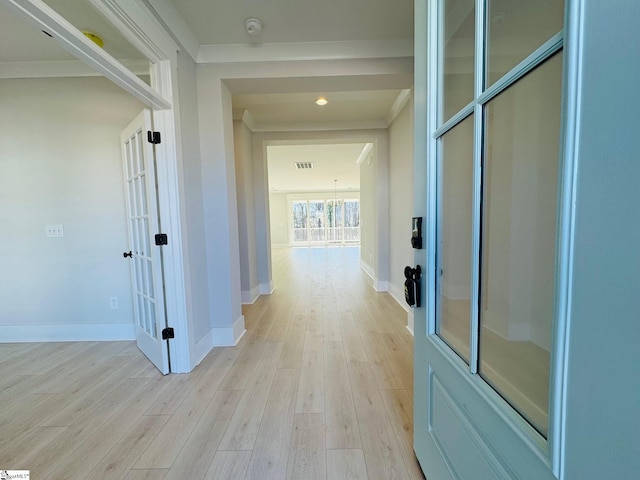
x=54 y=230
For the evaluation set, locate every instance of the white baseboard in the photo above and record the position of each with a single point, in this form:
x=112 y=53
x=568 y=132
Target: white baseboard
x=368 y=269
x=398 y=296
x=266 y=288
x=229 y=337
x=410 y=321
x=84 y=332
x=378 y=285
x=249 y=297
x=217 y=337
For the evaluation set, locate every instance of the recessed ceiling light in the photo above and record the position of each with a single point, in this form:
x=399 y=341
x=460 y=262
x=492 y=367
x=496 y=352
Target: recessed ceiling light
x=321 y=101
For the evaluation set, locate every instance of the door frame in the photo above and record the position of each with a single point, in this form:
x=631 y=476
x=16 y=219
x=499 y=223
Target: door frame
x=136 y=23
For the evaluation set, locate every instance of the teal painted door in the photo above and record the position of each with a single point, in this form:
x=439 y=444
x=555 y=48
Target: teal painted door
x=488 y=344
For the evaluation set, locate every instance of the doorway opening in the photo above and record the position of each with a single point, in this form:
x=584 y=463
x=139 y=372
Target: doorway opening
x=314 y=194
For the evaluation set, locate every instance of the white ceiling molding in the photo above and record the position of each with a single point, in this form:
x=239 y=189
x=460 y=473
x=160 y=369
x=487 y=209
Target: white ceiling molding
x=319 y=127
x=398 y=105
x=301 y=51
x=63 y=68
x=166 y=13
x=248 y=120
x=76 y=43
x=139 y=25
x=366 y=151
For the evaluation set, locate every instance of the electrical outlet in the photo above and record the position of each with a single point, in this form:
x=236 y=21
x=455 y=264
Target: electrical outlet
x=113 y=303
x=54 y=230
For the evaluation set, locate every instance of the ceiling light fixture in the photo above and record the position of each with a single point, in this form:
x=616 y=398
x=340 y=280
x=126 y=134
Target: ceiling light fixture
x=321 y=101
x=253 y=26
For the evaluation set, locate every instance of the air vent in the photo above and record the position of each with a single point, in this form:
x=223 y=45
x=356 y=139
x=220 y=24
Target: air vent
x=304 y=165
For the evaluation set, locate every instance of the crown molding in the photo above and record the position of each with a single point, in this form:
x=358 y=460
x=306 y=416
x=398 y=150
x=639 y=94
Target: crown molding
x=398 y=105
x=317 y=127
x=301 y=51
x=171 y=20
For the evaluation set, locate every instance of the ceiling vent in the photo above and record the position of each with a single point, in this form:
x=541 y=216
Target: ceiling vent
x=304 y=165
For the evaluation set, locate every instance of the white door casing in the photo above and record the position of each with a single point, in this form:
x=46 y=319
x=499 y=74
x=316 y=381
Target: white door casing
x=145 y=257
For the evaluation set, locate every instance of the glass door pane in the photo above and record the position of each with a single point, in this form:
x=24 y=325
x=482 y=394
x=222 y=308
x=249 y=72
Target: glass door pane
x=518 y=239
x=316 y=221
x=516 y=29
x=458 y=52
x=300 y=233
x=352 y=220
x=454 y=237
x=334 y=221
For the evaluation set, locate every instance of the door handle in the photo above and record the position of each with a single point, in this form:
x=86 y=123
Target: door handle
x=127 y=254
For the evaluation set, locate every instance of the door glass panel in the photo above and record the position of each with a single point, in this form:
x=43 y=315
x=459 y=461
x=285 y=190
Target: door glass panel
x=316 y=220
x=458 y=49
x=454 y=237
x=352 y=220
x=334 y=221
x=516 y=29
x=300 y=222
x=518 y=240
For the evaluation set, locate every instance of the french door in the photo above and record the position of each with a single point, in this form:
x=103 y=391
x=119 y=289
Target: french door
x=325 y=222
x=144 y=256
x=495 y=181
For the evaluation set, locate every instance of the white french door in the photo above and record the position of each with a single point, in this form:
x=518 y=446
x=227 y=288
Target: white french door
x=144 y=256
x=325 y=221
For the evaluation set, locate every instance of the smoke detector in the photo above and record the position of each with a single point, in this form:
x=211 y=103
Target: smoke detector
x=253 y=26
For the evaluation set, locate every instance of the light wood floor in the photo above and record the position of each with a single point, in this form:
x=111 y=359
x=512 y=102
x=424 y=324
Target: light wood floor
x=319 y=387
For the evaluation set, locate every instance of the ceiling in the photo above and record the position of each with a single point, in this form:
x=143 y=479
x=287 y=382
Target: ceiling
x=21 y=41
x=222 y=21
x=269 y=105
x=330 y=163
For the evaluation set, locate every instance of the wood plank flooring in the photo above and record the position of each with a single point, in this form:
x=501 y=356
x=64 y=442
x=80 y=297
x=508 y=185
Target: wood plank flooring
x=320 y=387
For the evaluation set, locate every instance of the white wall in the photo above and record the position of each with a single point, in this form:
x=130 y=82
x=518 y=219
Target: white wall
x=401 y=209
x=250 y=288
x=196 y=278
x=220 y=213
x=278 y=214
x=60 y=163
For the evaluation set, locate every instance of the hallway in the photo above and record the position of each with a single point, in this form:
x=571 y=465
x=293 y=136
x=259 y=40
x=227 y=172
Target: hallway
x=320 y=386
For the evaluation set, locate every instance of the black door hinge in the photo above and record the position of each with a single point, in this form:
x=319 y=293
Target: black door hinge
x=161 y=239
x=153 y=137
x=167 y=333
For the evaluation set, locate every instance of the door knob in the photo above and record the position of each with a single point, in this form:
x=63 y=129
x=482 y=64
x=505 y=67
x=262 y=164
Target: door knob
x=127 y=254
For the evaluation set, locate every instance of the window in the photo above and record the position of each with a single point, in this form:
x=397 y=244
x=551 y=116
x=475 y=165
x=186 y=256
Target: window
x=322 y=221
x=497 y=193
